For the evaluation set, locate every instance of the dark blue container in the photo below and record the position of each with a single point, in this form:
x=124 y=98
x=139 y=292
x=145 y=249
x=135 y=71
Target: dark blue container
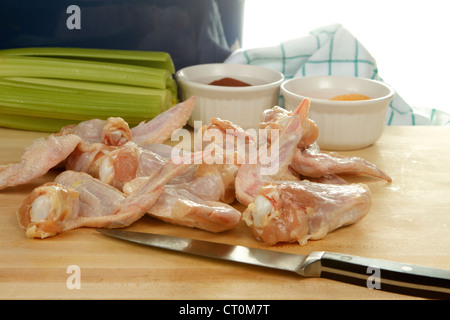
x=192 y=31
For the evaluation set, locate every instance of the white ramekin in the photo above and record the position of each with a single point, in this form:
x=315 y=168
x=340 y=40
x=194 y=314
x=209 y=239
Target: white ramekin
x=343 y=125
x=241 y=105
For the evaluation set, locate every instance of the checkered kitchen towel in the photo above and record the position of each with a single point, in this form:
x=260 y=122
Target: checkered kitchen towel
x=332 y=50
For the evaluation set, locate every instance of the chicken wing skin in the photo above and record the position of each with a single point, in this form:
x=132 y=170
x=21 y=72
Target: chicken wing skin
x=76 y=200
x=179 y=206
x=37 y=159
x=250 y=178
x=160 y=128
x=303 y=210
x=311 y=162
x=113 y=131
x=277 y=118
x=120 y=165
x=46 y=210
x=283 y=208
x=87 y=139
x=200 y=199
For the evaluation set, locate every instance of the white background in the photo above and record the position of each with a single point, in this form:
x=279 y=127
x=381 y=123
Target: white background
x=408 y=39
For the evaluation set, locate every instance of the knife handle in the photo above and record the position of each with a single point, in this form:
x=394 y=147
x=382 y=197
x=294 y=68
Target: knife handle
x=386 y=275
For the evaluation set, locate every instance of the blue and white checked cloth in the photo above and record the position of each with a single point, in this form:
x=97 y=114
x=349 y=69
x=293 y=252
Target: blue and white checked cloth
x=332 y=50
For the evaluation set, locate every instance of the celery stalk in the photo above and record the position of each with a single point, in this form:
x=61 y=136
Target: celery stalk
x=82 y=70
x=45 y=88
x=153 y=59
x=74 y=84
x=33 y=123
x=76 y=104
x=168 y=96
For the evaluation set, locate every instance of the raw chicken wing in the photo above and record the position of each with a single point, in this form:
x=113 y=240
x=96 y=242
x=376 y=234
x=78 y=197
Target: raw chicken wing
x=37 y=159
x=160 y=128
x=76 y=199
x=279 y=210
x=308 y=160
x=116 y=166
x=250 y=179
x=311 y=162
x=303 y=210
x=277 y=118
x=197 y=197
x=113 y=131
x=179 y=206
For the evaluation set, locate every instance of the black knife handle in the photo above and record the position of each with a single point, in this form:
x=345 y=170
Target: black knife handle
x=386 y=275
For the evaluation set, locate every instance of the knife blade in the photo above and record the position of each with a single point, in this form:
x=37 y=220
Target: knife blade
x=371 y=273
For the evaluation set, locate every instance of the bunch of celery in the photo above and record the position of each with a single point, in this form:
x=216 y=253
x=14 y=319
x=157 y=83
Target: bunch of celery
x=44 y=89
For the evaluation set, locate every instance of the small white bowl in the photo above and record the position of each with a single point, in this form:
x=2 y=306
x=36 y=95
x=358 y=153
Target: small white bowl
x=241 y=105
x=343 y=125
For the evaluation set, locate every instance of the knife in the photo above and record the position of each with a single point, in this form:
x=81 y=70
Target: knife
x=371 y=273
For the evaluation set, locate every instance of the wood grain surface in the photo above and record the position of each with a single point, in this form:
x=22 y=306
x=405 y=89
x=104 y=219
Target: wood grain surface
x=409 y=222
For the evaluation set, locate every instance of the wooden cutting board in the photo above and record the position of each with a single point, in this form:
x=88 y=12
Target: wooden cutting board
x=409 y=222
